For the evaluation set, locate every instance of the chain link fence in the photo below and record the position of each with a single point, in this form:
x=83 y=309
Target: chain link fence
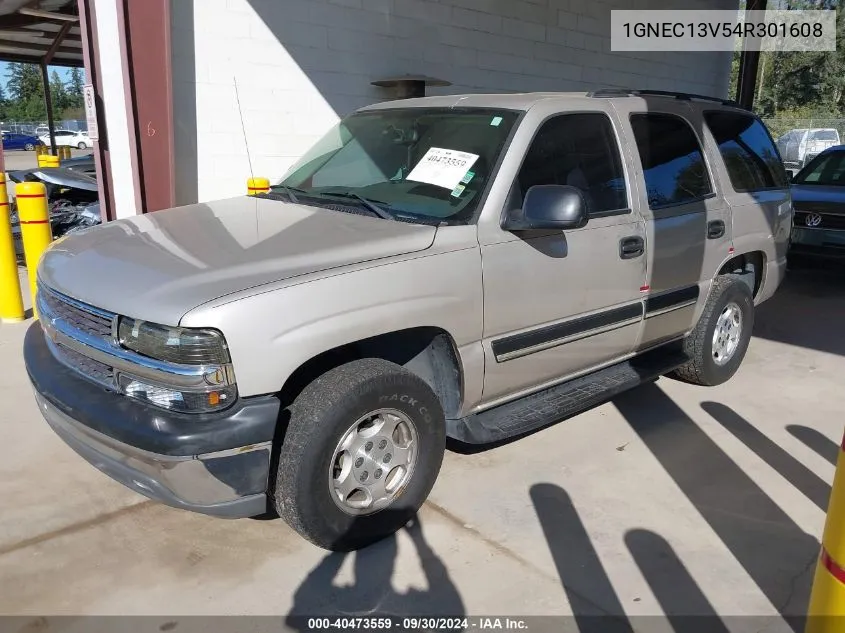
x=37 y=128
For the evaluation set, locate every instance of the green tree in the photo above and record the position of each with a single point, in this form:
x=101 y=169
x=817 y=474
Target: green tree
x=26 y=101
x=74 y=88
x=58 y=93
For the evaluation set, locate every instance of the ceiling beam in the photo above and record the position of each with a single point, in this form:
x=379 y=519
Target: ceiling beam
x=49 y=15
x=32 y=59
x=54 y=47
x=24 y=48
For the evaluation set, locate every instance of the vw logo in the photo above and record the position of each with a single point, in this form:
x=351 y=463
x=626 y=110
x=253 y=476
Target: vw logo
x=813 y=219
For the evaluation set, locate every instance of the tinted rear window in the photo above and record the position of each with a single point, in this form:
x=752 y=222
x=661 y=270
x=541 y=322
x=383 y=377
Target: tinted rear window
x=673 y=163
x=750 y=156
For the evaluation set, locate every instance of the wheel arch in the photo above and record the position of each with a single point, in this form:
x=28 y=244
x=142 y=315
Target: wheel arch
x=750 y=267
x=429 y=352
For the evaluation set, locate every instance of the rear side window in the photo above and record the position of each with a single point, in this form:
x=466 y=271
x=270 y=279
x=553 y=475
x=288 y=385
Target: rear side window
x=675 y=172
x=579 y=150
x=747 y=149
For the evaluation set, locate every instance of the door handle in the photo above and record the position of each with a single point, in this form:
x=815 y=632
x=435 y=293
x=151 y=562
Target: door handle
x=630 y=247
x=715 y=229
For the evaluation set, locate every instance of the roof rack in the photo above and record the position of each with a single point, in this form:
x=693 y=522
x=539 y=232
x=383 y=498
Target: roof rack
x=685 y=96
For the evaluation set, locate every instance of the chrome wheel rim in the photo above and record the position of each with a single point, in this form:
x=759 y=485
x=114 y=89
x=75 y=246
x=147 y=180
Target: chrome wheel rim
x=727 y=334
x=373 y=462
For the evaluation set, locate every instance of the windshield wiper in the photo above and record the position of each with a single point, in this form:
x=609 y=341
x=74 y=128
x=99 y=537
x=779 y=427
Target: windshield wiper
x=289 y=191
x=368 y=203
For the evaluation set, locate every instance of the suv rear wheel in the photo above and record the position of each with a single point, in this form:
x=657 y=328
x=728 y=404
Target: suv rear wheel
x=362 y=450
x=720 y=339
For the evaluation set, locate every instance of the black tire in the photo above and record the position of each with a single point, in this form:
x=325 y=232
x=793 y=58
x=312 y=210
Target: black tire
x=319 y=417
x=701 y=369
x=29 y=147
x=82 y=146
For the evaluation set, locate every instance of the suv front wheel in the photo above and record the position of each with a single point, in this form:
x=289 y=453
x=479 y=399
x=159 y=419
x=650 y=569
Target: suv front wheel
x=720 y=339
x=362 y=450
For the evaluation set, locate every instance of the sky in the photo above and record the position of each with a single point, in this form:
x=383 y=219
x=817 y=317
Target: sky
x=4 y=66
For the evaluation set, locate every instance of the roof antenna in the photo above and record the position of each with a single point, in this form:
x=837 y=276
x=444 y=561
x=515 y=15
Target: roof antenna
x=243 y=127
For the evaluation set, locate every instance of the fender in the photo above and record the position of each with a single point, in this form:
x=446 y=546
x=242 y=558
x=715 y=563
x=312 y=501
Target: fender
x=271 y=334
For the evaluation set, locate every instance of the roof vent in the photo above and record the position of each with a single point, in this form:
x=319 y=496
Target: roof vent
x=409 y=86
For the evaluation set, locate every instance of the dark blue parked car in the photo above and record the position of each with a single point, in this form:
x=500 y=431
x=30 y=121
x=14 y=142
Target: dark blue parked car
x=818 y=197
x=12 y=140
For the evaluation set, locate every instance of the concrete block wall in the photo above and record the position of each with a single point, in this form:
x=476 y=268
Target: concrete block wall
x=256 y=82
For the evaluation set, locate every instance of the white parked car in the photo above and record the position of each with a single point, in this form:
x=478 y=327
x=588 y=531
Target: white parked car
x=80 y=140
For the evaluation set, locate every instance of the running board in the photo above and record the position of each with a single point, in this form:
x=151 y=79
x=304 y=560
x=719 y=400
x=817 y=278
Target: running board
x=555 y=404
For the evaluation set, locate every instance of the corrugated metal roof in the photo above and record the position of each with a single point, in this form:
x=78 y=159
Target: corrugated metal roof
x=29 y=31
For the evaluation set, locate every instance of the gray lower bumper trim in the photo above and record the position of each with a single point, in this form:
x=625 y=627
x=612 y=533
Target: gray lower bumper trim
x=202 y=481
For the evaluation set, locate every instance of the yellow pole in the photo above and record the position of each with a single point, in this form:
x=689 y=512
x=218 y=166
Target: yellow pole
x=39 y=149
x=35 y=228
x=48 y=160
x=254 y=186
x=826 y=613
x=11 y=302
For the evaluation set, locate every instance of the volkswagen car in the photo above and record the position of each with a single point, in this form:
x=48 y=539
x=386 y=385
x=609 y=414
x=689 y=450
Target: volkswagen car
x=818 y=195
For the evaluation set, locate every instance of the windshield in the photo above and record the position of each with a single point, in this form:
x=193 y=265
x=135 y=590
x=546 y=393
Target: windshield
x=429 y=163
x=825 y=169
x=825 y=135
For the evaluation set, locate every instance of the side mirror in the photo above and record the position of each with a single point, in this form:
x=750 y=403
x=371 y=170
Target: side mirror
x=549 y=207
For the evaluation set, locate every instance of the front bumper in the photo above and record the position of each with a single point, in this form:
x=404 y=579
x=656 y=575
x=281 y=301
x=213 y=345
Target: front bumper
x=822 y=243
x=215 y=464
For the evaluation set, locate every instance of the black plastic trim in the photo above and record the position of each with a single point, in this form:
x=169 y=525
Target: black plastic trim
x=549 y=333
x=670 y=299
x=249 y=421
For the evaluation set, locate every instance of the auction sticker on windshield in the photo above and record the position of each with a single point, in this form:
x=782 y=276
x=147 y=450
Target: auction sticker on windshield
x=443 y=167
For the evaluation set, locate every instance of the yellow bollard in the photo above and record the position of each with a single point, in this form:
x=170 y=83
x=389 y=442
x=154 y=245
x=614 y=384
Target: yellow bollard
x=254 y=186
x=35 y=228
x=826 y=613
x=39 y=149
x=11 y=302
x=64 y=152
x=48 y=160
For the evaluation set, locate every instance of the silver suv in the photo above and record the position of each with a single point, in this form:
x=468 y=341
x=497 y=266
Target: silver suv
x=467 y=267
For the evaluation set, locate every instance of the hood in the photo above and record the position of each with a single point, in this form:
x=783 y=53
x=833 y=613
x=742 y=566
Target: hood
x=158 y=266
x=830 y=199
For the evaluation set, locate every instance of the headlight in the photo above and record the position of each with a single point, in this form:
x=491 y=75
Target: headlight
x=193 y=370
x=173 y=344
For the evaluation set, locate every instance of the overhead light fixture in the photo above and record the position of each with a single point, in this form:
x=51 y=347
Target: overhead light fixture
x=49 y=15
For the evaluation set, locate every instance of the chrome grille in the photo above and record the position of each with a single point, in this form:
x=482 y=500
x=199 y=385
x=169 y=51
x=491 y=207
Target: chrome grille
x=95 y=370
x=77 y=315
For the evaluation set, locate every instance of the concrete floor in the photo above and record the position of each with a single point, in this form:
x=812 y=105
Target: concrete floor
x=21 y=159
x=673 y=500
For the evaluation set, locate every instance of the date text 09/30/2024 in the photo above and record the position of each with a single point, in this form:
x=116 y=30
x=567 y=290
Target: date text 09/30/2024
x=414 y=623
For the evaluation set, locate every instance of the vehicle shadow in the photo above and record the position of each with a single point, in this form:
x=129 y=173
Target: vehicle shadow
x=372 y=594
x=808 y=308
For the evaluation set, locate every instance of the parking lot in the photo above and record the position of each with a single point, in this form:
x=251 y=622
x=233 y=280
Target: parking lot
x=672 y=499
x=20 y=159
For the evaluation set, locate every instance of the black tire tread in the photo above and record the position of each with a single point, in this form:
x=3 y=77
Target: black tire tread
x=695 y=345
x=306 y=429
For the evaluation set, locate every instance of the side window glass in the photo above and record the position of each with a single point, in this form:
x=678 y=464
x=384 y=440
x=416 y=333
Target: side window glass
x=579 y=150
x=750 y=156
x=673 y=163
